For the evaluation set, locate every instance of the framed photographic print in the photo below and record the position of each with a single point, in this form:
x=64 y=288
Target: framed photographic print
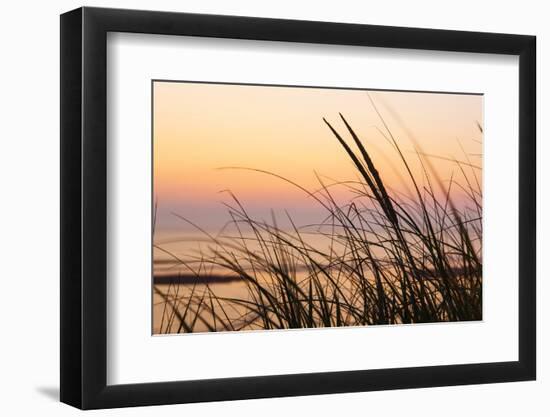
x=257 y=207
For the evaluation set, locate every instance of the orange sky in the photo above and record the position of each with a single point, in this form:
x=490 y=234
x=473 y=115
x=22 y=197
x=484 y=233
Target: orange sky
x=199 y=128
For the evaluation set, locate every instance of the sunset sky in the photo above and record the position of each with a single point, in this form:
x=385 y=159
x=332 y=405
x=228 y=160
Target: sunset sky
x=199 y=128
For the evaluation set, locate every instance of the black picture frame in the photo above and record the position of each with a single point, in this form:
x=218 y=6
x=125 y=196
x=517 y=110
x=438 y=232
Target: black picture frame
x=84 y=207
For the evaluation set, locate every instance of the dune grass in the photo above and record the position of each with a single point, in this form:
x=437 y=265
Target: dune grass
x=388 y=258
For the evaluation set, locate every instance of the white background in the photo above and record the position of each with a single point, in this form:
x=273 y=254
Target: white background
x=133 y=60
x=29 y=177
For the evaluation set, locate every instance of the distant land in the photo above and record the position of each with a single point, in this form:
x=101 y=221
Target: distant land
x=194 y=279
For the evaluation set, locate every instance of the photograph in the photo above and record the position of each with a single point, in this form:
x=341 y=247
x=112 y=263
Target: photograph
x=296 y=207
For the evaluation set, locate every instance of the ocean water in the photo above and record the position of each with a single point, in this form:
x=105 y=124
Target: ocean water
x=187 y=265
x=194 y=266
